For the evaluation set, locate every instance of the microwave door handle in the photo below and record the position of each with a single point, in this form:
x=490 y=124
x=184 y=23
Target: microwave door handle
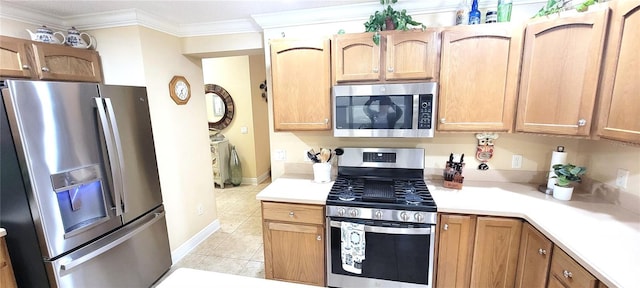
x=116 y=138
x=389 y=230
x=113 y=160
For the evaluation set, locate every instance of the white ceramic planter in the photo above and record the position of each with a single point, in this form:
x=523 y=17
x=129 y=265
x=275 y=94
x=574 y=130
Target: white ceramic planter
x=562 y=193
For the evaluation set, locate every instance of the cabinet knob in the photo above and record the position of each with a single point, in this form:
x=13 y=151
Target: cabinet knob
x=446 y=227
x=319 y=238
x=442 y=120
x=291 y=214
x=542 y=251
x=375 y=70
x=45 y=69
x=567 y=274
x=582 y=122
x=326 y=121
x=26 y=67
x=390 y=69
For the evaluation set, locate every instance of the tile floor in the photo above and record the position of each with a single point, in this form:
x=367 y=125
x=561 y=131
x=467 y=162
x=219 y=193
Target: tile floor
x=236 y=248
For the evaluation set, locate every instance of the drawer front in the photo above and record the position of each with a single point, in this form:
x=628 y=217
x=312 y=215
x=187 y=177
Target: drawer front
x=569 y=272
x=299 y=213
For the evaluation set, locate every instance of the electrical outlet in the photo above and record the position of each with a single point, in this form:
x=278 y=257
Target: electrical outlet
x=244 y=130
x=200 y=209
x=280 y=155
x=516 y=161
x=621 y=178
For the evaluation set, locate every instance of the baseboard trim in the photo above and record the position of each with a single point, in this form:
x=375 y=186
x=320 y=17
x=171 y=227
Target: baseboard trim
x=186 y=247
x=256 y=181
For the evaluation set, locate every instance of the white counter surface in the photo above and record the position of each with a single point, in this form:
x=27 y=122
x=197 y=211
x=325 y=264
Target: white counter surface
x=185 y=277
x=3 y=232
x=602 y=237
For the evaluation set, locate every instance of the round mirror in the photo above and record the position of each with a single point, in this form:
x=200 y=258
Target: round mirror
x=220 y=108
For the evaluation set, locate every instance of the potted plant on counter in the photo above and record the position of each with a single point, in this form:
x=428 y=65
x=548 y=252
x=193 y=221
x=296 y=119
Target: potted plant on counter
x=389 y=19
x=565 y=175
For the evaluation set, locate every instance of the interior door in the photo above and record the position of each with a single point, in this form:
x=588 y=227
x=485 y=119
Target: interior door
x=56 y=135
x=128 y=111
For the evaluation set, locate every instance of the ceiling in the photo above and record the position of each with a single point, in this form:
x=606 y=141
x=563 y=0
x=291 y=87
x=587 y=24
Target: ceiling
x=177 y=13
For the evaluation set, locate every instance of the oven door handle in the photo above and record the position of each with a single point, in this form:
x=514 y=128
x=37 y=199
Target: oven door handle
x=388 y=230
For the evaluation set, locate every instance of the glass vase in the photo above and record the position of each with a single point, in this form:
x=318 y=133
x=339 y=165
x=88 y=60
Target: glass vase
x=235 y=167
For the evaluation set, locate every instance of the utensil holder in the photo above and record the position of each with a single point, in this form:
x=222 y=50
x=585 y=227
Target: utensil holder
x=322 y=172
x=453 y=178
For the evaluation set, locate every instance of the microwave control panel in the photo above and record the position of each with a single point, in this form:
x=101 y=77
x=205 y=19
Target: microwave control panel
x=425 y=111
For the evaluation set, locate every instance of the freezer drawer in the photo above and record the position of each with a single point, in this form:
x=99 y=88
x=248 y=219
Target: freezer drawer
x=134 y=256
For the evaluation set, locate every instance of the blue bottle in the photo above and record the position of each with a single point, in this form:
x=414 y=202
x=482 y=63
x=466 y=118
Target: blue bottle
x=474 y=14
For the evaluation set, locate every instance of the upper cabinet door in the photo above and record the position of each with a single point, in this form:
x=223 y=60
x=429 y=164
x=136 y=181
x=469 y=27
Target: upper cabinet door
x=356 y=58
x=14 y=61
x=300 y=72
x=59 y=62
x=411 y=55
x=560 y=71
x=478 y=77
x=620 y=98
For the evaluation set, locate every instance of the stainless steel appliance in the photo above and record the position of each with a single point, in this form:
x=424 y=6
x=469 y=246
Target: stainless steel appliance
x=382 y=188
x=79 y=187
x=385 y=110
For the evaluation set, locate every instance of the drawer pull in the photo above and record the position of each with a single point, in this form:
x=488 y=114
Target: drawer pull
x=319 y=238
x=26 y=67
x=291 y=214
x=542 y=251
x=567 y=274
x=45 y=69
x=446 y=227
x=582 y=122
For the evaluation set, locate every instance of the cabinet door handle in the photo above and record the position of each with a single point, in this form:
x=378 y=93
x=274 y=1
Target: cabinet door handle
x=291 y=214
x=326 y=121
x=582 y=122
x=446 y=227
x=375 y=70
x=26 y=67
x=390 y=69
x=542 y=251
x=567 y=274
x=319 y=238
x=45 y=69
x=442 y=120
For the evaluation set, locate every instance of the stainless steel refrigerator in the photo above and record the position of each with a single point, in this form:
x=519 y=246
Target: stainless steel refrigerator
x=79 y=189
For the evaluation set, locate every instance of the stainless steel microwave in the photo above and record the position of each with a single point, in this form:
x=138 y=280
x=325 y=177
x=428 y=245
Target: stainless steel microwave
x=405 y=110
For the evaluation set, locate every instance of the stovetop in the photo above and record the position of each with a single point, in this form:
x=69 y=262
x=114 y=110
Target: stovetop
x=382 y=193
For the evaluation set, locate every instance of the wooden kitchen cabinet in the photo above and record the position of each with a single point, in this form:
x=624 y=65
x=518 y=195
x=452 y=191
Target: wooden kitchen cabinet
x=566 y=273
x=560 y=71
x=7 y=279
x=294 y=245
x=401 y=55
x=455 y=248
x=301 y=80
x=619 y=101
x=495 y=252
x=479 y=74
x=22 y=58
x=14 y=61
x=534 y=258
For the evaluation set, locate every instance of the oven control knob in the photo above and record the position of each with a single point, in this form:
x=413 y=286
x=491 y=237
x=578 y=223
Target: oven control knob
x=418 y=217
x=378 y=214
x=341 y=212
x=353 y=212
x=404 y=216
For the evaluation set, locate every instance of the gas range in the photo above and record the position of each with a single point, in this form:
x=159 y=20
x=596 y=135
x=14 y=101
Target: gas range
x=382 y=184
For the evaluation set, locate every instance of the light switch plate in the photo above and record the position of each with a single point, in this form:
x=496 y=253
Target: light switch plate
x=621 y=178
x=516 y=161
x=280 y=155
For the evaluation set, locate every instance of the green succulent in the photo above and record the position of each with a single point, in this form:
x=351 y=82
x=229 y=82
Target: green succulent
x=567 y=173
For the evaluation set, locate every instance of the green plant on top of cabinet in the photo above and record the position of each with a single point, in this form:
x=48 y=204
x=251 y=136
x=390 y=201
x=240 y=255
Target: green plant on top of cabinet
x=560 y=72
x=401 y=55
x=619 y=101
x=300 y=72
x=479 y=77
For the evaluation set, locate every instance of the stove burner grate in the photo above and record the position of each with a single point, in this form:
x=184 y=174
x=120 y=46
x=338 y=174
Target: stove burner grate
x=378 y=191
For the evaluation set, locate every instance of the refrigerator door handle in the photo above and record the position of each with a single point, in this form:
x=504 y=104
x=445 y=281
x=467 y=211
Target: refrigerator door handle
x=114 y=163
x=77 y=262
x=116 y=138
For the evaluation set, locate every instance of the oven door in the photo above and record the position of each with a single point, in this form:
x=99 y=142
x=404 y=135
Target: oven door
x=395 y=256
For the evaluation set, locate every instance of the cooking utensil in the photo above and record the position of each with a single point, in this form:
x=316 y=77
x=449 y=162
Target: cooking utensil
x=325 y=154
x=313 y=156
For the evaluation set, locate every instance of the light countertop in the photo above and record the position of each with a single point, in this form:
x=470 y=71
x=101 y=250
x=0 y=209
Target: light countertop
x=602 y=237
x=185 y=277
x=3 y=232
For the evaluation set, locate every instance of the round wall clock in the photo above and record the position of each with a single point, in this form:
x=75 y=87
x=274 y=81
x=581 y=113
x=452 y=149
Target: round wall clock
x=179 y=90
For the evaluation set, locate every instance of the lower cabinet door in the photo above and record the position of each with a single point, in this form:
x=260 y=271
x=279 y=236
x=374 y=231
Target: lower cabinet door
x=534 y=258
x=455 y=249
x=294 y=252
x=495 y=252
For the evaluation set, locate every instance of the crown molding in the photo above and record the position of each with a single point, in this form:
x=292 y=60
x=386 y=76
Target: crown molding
x=257 y=23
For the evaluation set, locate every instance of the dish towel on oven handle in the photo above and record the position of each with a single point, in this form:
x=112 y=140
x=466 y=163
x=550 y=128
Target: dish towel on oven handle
x=352 y=247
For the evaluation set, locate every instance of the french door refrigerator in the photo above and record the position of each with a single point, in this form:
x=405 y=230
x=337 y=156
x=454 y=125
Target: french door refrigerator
x=79 y=189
